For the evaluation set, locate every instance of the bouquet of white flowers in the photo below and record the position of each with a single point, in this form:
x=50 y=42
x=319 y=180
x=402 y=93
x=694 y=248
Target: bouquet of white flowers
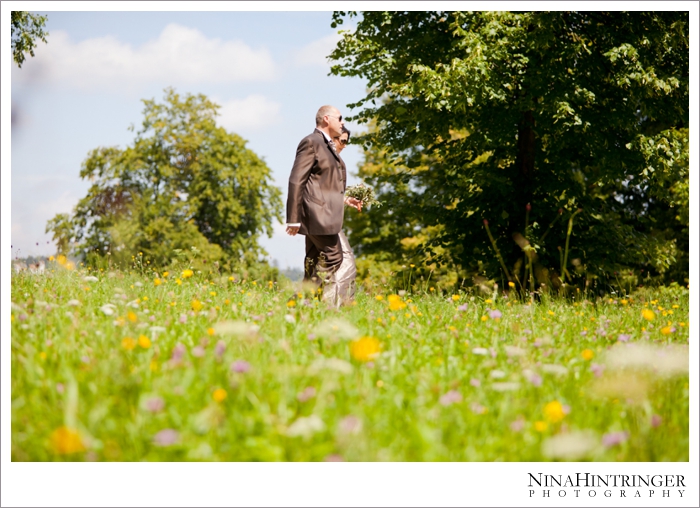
x=363 y=193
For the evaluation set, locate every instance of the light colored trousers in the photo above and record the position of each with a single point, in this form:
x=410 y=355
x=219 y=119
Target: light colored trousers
x=330 y=263
x=340 y=289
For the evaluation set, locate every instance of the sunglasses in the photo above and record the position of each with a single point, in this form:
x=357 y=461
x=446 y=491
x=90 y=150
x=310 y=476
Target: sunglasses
x=340 y=118
x=341 y=141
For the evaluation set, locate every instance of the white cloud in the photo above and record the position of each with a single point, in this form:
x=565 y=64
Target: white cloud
x=179 y=55
x=316 y=53
x=253 y=112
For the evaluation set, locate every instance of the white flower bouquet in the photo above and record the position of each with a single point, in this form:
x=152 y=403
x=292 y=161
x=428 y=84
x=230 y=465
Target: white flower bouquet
x=363 y=193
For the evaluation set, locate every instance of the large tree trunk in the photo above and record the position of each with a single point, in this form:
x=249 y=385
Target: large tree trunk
x=525 y=160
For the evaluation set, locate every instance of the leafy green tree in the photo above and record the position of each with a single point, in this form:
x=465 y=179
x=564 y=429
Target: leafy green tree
x=26 y=29
x=522 y=120
x=184 y=183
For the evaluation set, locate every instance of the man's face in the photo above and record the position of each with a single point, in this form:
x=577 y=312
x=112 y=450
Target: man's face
x=335 y=123
x=341 y=142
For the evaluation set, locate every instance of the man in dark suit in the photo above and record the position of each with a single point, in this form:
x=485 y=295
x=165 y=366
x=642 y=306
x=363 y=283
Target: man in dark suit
x=316 y=199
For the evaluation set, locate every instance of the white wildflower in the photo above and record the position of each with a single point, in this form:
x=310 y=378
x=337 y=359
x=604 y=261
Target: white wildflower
x=235 y=328
x=108 y=309
x=572 y=446
x=306 y=426
x=667 y=360
x=332 y=364
x=553 y=368
x=338 y=328
x=505 y=387
x=514 y=351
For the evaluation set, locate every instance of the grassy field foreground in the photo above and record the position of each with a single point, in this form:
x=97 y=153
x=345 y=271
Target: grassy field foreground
x=126 y=367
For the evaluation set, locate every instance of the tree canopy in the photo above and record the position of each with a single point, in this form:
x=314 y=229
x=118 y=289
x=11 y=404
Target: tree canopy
x=525 y=120
x=26 y=29
x=185 y=182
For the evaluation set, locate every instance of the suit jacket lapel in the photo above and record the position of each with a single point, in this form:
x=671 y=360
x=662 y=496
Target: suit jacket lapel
x=335 y=154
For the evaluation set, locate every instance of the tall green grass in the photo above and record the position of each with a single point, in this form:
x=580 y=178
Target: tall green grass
x=116 y=366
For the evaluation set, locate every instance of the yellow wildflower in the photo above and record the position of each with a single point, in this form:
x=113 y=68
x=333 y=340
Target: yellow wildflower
x=484 y=318
x=157 y=282
x=131 y=316
x=364 y=349
x=291 y=303
x=587 y=354
x=379 y=298
x=144 y=342
x=455 y=298
x=511 y=284
x=540 y=426
x=65 y=441
x=197 y=305
x=186 y=274
x=554 y=411
x=165 y=274
x=395 y=302
x=178 y=282
x=128 y=343
x=488 y=300
x=219 y=394
x=666 y=330
x=210 y=331
x=648 y=314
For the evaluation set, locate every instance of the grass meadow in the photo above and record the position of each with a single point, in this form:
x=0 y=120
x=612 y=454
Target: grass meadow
x=145 y=366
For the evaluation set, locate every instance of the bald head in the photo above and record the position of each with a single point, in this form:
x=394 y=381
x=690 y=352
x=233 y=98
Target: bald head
x=325 y=111
x=329 y=120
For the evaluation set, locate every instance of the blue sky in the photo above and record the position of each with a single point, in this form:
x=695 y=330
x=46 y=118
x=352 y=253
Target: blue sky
x=83 y=90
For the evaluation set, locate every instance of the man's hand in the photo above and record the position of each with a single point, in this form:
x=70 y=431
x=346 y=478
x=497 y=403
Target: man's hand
x=354 y=202
x=292 y=230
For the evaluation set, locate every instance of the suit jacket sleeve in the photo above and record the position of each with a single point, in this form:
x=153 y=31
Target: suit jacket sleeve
x=303 y=164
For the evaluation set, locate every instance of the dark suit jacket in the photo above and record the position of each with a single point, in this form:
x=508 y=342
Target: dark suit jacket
x=316 y=187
